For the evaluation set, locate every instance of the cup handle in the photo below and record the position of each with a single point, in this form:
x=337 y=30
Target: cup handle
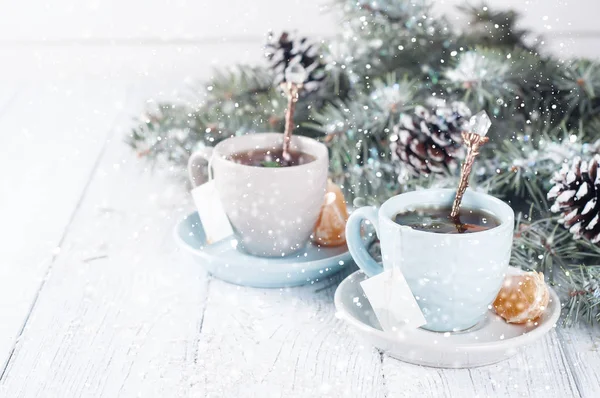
x=355 y=244
x=199 y=166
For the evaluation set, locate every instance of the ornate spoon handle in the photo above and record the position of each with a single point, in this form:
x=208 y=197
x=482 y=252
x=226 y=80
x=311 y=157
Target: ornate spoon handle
x=473 y=142
x=473 y=139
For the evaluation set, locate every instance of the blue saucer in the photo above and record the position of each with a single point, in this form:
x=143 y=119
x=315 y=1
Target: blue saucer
x=225 y=262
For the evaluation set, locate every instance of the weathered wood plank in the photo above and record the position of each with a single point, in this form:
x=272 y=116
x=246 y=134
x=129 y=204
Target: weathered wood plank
x=541 y=370
x=281 y=343
x=8 y=95
x=52 y=138
x=581 y=346
x=121 y=312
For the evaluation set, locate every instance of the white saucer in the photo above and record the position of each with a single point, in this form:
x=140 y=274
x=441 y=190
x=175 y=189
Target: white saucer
x=491 y=341
x=225 y=262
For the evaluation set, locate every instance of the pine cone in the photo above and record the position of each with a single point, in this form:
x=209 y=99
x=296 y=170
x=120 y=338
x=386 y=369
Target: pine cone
x=431 y=143
x=288 y=50
x=575 y=194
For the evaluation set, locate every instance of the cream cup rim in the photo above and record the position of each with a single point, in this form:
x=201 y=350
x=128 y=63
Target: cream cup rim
x=320 y=147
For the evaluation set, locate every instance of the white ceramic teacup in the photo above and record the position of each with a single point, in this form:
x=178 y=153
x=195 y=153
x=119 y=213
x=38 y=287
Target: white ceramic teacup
x=272 y=210
x=454 y=277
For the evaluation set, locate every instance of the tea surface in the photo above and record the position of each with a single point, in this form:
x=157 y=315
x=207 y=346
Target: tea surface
x=270 y=158
x=438 y=220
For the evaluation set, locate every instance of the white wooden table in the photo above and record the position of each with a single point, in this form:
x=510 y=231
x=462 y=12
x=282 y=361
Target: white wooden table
x=96 y=300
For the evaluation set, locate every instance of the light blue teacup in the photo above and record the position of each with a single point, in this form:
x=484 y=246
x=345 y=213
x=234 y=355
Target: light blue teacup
x=454 y=277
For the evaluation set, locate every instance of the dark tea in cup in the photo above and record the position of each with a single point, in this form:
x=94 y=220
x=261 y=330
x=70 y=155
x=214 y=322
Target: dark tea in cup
x=270 y=157
x=438 y=220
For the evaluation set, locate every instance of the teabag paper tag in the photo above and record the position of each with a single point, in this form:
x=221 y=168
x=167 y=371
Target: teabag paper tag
x=390 y=296
x=214 y=220
x=393 y=302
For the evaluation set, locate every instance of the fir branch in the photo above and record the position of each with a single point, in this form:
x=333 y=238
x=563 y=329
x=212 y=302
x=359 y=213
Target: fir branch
x=372 y=111
x=363 y=178
x=579 y=85
x=239 y=83
x=489 y=79
x=388 y=36
x=524 y=165
x=493 y=28
x=584 y=294
x=392 y=10
x=570 y=266
x=169 y=131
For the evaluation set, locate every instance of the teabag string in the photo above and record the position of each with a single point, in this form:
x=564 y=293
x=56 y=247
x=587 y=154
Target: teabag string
x=210 y=170
x=396 y=256
x=386 y=317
